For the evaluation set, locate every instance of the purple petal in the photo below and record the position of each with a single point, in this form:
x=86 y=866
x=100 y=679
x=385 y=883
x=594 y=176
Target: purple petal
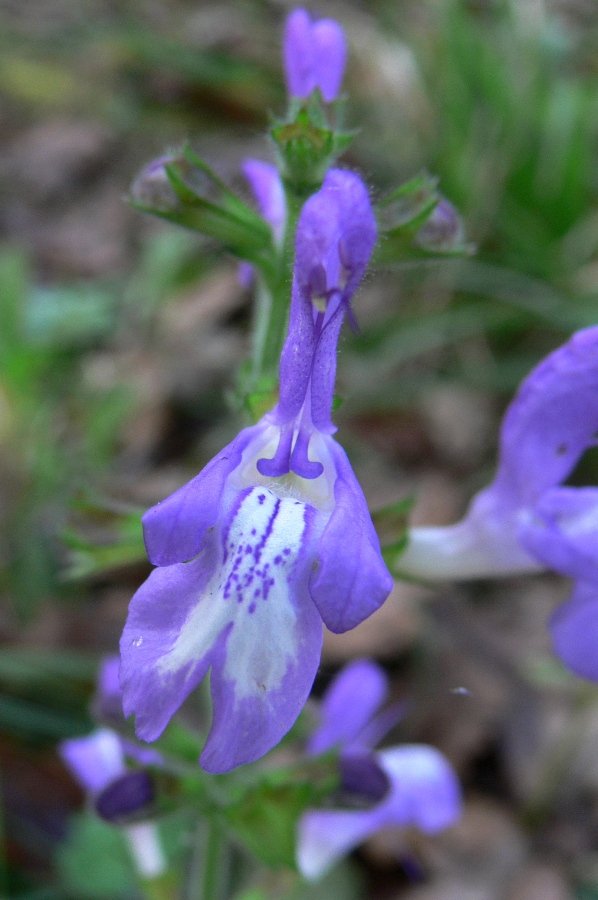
x=484 y=544
x=298 y=54
x=330 y=52
x=145 y=756
x=153 y=688
x=176 y=529
x=336 y=230
x=563 y=532
x=350 y=581
x=269 y=193
x=352 y=698
x=245 y=275
x=325 y=836
x=425 y=793
x=296 y=357
x=574 y=628
x=96 y=760
x=243 y=608
x=262 y=678
x=551 y=422
x=324 y=374
x=335 y=236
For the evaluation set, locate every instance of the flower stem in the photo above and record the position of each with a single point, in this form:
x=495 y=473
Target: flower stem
x=273 y=300
x=205 y=878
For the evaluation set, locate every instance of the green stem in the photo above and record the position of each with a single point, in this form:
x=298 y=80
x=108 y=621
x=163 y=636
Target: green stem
x=206 y=875
x=273 y=301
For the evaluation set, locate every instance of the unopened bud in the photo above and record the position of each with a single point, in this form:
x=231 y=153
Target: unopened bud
x=314 y=56
x=152 y=187
x=443 y=231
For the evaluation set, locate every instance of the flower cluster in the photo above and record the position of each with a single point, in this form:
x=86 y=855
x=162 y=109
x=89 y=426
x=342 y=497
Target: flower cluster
x=273 y=536
x=528 y=520
x=411 y=785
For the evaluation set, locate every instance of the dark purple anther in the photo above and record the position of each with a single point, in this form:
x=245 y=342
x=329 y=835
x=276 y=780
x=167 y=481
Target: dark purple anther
x=130 y=794
x=362 y=775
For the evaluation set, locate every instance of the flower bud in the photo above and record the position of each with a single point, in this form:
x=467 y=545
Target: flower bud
x=152 y=187
x=443 y=231
x=314 y=56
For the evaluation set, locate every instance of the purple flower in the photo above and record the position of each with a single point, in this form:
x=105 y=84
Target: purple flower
x=272 y=537
x=527 y=520
x=97 y=762
x=413 y=784
x=314 y=56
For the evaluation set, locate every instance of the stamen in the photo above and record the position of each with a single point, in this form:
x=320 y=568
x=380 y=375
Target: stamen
x=280 y=462
x=300 y=464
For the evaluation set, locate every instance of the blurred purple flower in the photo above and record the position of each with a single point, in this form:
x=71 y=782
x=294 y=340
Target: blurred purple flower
x=526 y=520
x=268 y=191
x=411 y=785
x=265 y=542
x=97 y=762
x=314 y=56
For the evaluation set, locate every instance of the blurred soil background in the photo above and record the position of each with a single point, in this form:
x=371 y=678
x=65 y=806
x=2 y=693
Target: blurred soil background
x=119 y=341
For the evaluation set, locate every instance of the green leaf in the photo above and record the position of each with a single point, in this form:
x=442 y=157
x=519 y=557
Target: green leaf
x=391 y=524
x=68 y=316
x=273 y=804
x=94 y=862
x=117 y=540
x=34 y=721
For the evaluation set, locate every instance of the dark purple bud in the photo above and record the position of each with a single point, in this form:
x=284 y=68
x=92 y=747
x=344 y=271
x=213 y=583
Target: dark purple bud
x=152 y=187
x=129 y=794
x=443 y=231
x=361 y=774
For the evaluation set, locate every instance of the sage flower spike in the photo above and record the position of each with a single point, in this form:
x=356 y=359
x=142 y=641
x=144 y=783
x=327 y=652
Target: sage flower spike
x=272 y=537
